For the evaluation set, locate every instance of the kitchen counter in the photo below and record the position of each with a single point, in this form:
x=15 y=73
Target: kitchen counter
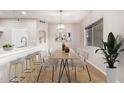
x=8 y=56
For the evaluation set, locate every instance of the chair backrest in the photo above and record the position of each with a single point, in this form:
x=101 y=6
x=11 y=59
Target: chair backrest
x=43 y=54
x=50 y=50
x=85 y=55
x=78 y=51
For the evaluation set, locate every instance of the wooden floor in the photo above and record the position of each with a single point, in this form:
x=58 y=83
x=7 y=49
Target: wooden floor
x=82 y=76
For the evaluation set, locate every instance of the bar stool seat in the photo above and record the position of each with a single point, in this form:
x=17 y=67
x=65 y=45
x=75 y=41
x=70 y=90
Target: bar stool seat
x=37 y=59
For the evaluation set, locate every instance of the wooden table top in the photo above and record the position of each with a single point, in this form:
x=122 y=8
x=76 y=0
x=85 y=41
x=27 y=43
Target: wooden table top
x=59 y=54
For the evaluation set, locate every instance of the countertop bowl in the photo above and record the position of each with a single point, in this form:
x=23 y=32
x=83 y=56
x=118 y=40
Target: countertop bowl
x=7 y=49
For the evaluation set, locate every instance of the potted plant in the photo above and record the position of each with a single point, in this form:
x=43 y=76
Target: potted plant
x=111 y=50
x=8 y=47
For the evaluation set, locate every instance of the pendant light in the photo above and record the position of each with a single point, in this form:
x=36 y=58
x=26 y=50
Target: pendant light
x=60 y=26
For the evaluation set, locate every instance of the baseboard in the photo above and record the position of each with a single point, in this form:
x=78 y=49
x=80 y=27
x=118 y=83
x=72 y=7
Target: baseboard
x=96 y=67
x=89 y=62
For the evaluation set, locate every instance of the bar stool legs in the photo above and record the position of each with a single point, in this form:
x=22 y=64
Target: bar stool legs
x=16 y=78
x=27 y=64
x=2 y=74
x=53 y=74
x=75 y=72
x=22 y=70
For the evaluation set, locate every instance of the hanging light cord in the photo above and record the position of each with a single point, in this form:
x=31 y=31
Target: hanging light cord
x=60 y=16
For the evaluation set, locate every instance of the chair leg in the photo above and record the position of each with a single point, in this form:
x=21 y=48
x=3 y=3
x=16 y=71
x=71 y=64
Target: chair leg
x=31 y=66
x=16 y=70
x=10 y=67
x=45 y=68
x=26 y=65
x=88 y=72
x=75 y=72
x=53 y=74
x=72 y=65
x=56 y=66
x=22 y=71
x=22 y=67
x=39 y=73
x=83 y=67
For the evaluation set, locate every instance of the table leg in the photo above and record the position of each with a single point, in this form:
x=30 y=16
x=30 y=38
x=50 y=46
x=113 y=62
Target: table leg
x=64 y=66
x=39 y=73
x=66 y=70
x=61 y=65
x=69 y=78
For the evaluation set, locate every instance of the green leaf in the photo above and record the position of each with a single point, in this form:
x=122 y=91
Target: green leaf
x=105 y=62
x=97 y=50
x=105 y=45
x=117 y=60
x=121 y=50
x=117 y=47
x=111 y=40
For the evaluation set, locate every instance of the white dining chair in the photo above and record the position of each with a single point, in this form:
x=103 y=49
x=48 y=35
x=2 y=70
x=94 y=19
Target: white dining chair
x=82 y=62
x=46 y=63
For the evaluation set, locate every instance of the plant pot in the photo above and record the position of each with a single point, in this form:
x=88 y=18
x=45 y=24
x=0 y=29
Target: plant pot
x=7 y=49
x=111 y=75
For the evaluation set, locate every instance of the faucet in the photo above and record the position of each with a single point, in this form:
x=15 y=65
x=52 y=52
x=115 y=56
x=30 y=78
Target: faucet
x=24 y=39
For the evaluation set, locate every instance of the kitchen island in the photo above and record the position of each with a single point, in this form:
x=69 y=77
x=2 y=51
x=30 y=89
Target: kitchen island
x=8 y=56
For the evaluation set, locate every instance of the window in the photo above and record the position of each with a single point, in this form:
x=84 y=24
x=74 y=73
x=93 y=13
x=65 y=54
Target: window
x=94 y=34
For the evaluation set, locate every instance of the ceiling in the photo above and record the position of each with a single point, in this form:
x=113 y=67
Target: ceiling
x=50 y=16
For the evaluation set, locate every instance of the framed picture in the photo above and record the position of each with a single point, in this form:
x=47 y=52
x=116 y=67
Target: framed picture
x=63 y=37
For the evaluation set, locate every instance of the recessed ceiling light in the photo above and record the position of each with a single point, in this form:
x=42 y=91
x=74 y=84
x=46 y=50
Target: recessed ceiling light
x=23 y=12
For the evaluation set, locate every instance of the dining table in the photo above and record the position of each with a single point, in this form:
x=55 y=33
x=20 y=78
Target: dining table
x=65 y=58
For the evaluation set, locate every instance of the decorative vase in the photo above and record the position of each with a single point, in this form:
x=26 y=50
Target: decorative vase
x=63 y=46
x=67 y=49
x=111 y=75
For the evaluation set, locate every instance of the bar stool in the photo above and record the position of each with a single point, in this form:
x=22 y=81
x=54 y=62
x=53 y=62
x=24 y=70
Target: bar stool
x=37 y=59
x=15 y=64
x=1 y=73
x=28 y=63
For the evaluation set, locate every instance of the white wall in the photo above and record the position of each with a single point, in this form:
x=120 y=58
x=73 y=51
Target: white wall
x=73 y=28
x=113 y=21
x=10 y=24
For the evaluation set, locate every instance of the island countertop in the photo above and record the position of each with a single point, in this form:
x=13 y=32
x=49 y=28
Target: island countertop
x=8 y=56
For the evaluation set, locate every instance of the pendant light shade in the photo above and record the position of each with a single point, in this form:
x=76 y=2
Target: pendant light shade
x=60 y=26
